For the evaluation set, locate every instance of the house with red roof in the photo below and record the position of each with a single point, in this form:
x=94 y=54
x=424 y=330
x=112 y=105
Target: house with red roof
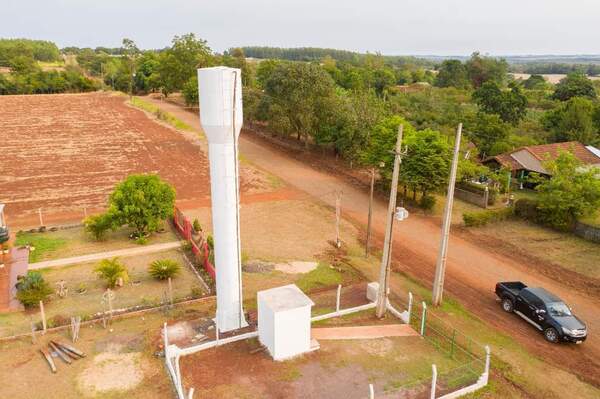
x=528 y=159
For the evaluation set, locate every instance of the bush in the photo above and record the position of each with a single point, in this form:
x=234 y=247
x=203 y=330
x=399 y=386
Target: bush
x=163 y=269
x=472 y=219
x=32 y=289
x=527 y=209
x=427 y=202
x=98 y=225
x=197 y=226
x=111 y=270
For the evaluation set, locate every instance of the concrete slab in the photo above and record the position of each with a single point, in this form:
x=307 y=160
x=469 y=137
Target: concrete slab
x=363 y=332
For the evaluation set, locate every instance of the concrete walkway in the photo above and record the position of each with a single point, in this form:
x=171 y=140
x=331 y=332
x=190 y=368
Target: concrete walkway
x=147 y=249
x=364 y=332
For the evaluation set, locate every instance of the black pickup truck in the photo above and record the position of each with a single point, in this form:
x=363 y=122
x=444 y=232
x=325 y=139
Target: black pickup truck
x=543 y=310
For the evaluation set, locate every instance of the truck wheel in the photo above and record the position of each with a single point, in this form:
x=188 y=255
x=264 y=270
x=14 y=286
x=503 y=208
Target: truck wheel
x=507 y=305
x=551 y=335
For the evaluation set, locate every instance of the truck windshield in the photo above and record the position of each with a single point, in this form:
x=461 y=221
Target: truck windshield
x=558 y=309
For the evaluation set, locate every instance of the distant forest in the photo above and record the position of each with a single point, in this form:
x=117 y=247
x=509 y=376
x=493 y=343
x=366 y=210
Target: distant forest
x=317 y=54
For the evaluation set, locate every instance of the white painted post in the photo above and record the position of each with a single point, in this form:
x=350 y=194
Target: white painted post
x=423 y=317
x=371 y=392
x=178 y=373
x=165 y=337
x=41 y=219
x=84 y=212
x=217 y=330
x=487 y=364
x=43 y=314
x=410 y=303
x=337 y=300
x=433 y=381
x=191 y=393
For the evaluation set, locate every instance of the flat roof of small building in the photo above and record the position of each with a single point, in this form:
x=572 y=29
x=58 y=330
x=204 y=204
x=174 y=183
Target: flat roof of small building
x=285 y=298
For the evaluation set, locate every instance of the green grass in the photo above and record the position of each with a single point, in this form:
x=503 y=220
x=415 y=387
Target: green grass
x=322 y=276
x=160 y=114
x=43 y=244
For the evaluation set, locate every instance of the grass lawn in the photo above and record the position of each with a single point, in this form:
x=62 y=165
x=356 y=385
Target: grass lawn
x=142 y=289
x=74 y=242
x=563 y=249
x=162 y=115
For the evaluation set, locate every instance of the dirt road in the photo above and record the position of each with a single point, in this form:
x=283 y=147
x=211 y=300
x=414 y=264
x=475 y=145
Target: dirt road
x=472 y=270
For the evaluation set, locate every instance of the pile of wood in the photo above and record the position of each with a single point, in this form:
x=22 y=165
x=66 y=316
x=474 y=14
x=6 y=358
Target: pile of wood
x=65 y=352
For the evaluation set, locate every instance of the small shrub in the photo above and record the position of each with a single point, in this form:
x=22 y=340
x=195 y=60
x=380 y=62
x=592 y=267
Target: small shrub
x=527 y=209
x=427 y=202
x=32 y=289
x=197 y=292
x=98 y=225
x=196 y=226
x=473 y=219
x=163 y=269
x=111 y=270
x=141 y=240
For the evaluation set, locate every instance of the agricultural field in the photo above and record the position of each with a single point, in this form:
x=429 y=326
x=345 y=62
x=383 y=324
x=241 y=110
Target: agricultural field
x=76 y=147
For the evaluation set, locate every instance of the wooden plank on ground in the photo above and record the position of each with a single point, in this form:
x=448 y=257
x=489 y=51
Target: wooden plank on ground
x=69 y=348
x=60 y=353
x=49 y=359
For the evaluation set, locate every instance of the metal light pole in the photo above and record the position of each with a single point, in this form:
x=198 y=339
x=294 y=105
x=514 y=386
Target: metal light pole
x=440 y=267
x=387 y=248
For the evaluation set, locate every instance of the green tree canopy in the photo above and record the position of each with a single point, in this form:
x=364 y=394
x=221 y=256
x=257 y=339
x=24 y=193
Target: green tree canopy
x=142 y=202
x=535 y=82
x=572 y=192
x=510 y=105
x=179 y=63
x=452 y=73
x=299 y=94
x=486 y=131
x=486 y=69
x=574 y=120
x=575 y=84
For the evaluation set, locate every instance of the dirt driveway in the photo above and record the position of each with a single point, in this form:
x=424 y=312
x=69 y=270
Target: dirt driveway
x=472 y=269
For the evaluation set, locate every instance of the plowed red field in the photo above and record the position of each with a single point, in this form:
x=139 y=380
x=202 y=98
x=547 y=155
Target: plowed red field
x=62 y=153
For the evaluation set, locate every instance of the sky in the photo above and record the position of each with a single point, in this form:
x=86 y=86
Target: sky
x=393 y=27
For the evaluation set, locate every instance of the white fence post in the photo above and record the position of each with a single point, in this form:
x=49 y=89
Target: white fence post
x=410 y=303
x=337 y=300
x=371 y=392
x=41 y=219
x=191 y=393
x=423 y=317
x=433 y=381
x=487 y=364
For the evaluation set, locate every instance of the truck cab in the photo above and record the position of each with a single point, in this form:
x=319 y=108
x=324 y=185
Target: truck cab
x=543 y=310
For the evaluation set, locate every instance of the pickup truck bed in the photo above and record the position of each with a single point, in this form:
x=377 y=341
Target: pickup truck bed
x=514 y=287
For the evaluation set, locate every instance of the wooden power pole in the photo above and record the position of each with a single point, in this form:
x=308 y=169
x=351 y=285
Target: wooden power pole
x=387 y=247
x=440 y=267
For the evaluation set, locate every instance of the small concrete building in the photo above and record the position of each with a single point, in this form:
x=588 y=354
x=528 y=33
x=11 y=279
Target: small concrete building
x=284 y=321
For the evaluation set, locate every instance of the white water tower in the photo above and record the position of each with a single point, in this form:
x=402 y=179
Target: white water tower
x=221 y=117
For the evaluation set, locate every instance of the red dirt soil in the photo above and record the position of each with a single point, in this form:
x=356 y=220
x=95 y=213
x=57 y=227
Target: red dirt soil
x=66 y=152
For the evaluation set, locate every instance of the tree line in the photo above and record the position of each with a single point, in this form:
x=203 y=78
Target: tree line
x=27 y=76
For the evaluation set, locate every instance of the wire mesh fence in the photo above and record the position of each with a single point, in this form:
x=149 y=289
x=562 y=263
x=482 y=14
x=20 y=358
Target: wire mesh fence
x=467 y=356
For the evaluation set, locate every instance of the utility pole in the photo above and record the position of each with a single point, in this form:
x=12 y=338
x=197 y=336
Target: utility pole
x=387 y=247
x=440 y=267
x=338 y=214
x=368 y=241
